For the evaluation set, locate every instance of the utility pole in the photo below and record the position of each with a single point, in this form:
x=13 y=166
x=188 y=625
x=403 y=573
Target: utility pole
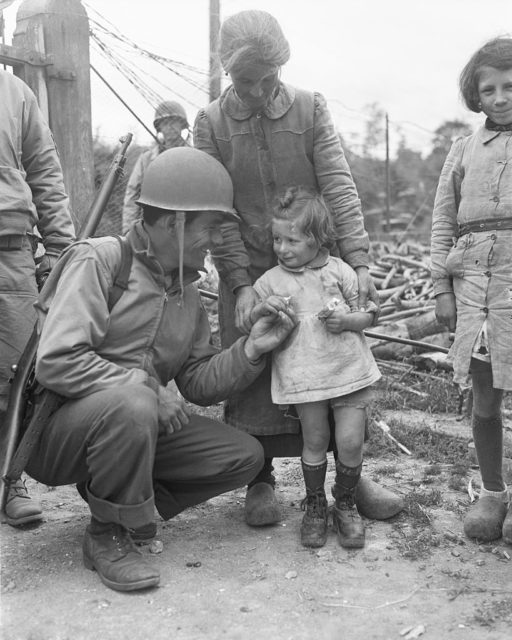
x=388 y=181
x=55 y=33
x=215 y=69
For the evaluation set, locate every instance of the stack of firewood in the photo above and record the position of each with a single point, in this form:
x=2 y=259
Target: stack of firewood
x=403 y=280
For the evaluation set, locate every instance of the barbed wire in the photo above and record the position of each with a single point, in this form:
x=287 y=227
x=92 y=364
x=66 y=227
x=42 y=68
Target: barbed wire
x=116 y=46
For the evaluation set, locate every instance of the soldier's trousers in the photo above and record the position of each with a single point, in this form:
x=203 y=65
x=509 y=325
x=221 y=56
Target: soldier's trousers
x=111 y=440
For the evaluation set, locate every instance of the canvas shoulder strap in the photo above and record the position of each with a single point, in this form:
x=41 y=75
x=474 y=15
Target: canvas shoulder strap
x=123 y=274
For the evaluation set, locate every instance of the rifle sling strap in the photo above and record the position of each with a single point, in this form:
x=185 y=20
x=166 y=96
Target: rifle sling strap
x=45 y=402
x=123 y=275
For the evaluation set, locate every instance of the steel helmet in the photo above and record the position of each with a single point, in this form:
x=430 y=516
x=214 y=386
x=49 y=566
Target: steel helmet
x=186 y=179
x=170 y=109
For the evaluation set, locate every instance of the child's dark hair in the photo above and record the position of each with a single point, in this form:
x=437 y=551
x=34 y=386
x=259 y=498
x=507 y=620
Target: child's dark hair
x=496 y=53
x=306 y=207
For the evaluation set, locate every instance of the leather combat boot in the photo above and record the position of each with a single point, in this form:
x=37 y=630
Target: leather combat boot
x=120 y=565
x=347 y=522
x=20 y=508
x=261 y=506
x=140 y=535
x=485 y=519
x=313 y=530
x=144 y=534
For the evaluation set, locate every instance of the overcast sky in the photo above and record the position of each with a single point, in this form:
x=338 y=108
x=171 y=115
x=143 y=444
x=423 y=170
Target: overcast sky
x=404 y=55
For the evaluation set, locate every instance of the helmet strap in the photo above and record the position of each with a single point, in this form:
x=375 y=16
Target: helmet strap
x=180 y=233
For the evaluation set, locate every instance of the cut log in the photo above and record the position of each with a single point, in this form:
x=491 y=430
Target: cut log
x=433 y=360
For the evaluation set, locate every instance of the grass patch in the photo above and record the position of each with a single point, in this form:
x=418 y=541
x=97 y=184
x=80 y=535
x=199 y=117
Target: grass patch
x=435 y=394
x=414 y=536
x=387 y=469
x=432 y=469
x=491 y=612
x=424 y=443
x=416 y=501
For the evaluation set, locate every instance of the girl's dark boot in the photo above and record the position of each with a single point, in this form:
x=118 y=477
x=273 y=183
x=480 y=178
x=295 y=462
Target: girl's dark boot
x=346 y=519
x=313 y=530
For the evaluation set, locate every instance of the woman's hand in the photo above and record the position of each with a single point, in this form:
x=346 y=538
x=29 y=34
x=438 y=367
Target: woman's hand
x=246 y=299
x=446 y=310
x=173 y=413
x=367 y=290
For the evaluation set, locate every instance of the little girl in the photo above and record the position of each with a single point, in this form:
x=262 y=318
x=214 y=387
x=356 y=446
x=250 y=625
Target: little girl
x=324 y=363
x=471 y=257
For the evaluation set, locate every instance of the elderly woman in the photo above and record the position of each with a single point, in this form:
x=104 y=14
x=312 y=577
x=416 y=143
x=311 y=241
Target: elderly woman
x=270 y=136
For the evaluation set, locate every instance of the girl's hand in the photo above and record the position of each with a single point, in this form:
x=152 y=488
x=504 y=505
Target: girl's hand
x=339 y=320
x=270 y=307
x=446 y=310
x=246 y=299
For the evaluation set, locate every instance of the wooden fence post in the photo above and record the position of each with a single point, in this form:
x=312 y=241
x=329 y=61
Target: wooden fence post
x=59 y=29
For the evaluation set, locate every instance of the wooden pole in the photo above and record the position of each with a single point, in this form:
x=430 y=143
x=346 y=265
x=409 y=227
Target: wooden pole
x=60 y=29
x=388 y=180
x=215 y=68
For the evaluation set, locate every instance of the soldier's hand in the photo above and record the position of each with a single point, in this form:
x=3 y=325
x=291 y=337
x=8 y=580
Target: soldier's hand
x=268 y=332
x=269 y=307
x=44 y=267
x=173 y=413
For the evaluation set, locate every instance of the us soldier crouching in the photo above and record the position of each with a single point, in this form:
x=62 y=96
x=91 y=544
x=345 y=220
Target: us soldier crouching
x=129 y=441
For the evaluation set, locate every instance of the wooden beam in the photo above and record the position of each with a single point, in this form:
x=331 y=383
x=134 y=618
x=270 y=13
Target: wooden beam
x=59 y=31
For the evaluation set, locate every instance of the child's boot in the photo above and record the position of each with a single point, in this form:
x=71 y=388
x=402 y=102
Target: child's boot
x=313 y=530
x=346 y=519
x=485 y=519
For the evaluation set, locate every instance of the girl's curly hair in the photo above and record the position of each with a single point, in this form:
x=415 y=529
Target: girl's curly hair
x=308 y=209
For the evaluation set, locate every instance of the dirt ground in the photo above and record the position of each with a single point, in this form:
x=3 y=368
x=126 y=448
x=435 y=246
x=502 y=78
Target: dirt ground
x=220 y=579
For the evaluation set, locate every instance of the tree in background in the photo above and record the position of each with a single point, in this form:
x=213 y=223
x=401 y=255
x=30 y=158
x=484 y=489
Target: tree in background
x=444 y=136
x=413 y=176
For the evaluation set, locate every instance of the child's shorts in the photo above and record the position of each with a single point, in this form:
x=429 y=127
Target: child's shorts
x=359 y=399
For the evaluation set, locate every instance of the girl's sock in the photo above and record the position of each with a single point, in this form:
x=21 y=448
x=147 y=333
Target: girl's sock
x=503 y=496
x=346 y=479
x=488 y=439
x=314 y=476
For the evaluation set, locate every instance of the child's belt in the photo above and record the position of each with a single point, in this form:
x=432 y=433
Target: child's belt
x=495 y=224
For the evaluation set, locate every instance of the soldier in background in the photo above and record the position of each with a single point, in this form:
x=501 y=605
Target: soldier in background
x=32 y=195
x=170 y=121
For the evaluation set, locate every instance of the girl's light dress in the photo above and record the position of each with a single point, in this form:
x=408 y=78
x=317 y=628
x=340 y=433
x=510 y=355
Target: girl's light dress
x=314 y=364
x=476 y=184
